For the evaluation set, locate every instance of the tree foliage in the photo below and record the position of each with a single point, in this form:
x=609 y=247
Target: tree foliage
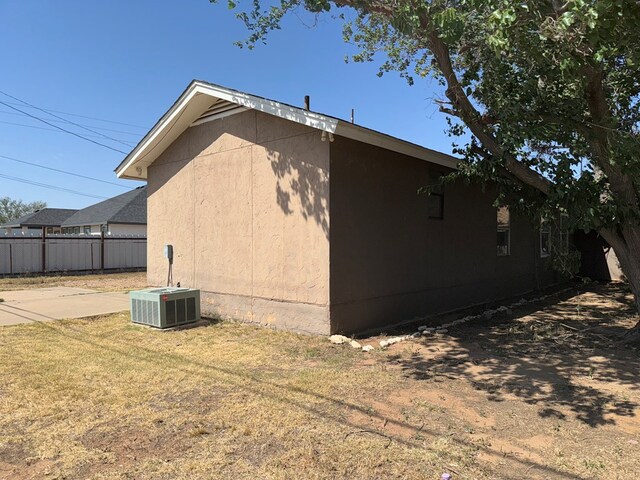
x=547 y=91
x=11 y=209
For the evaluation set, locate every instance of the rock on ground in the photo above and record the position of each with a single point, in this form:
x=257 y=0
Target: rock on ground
x=338 y=339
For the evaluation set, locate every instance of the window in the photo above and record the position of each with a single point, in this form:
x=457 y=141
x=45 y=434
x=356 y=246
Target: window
x=545 y=241
x=49 y=230
x=87 y=230
x=558 y=241
x=504 y=231
x=435 y=201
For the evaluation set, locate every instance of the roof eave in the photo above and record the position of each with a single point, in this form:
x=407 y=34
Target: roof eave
x=175 y=121
x=382 y=140
x=124 y=170
x=134 y=165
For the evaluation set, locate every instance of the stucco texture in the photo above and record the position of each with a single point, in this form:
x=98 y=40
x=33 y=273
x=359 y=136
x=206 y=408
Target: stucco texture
x=390 y=262
x=244 y=201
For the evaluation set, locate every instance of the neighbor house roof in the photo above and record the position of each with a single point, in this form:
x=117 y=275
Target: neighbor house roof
x=45 y=217
x=203 y=101
x=130 y=207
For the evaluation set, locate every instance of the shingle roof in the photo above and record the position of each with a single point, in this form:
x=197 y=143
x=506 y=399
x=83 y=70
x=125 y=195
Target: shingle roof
x=45 y=217
x=130 y=207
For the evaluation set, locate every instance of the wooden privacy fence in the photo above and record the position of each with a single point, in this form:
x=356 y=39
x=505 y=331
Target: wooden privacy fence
x=63 y=253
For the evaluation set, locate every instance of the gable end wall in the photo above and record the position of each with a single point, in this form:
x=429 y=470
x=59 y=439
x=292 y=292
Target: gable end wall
x=244 y=200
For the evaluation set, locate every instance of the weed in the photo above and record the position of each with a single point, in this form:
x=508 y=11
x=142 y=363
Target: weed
x=594 y=464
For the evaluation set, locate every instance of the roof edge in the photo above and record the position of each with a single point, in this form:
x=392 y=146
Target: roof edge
x=143 y=154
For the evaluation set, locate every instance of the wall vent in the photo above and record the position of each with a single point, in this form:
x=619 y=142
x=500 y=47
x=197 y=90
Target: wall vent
x=219 y=109
x=165 y=307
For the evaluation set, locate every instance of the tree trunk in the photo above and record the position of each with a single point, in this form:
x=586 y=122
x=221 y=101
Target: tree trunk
x=626 y=245
x=625 y=241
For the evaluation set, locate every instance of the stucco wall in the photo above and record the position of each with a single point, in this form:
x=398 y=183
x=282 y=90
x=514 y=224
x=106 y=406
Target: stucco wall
x=391 y=263
x=244 y=201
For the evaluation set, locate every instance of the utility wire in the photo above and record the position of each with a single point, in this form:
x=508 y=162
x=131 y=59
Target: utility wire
x=4 y=112
x=51 y=187
x=63 y=119
x=46 y=129
x=64 y=171
x=63 y=129
x=85 y=116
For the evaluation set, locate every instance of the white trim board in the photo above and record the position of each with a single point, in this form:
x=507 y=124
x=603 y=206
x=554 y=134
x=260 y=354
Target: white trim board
x=200 y=97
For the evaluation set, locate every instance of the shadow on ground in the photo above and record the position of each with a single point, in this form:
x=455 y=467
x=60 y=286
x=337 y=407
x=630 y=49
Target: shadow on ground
x=562 y=356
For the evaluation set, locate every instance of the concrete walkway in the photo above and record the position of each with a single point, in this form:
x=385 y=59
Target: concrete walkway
x=55 y=303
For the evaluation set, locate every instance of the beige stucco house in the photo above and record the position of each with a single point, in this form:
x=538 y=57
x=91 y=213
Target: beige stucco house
x=298 y=220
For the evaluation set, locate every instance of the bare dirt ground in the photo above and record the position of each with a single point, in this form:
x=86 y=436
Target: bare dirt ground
x=107 y=282
x=544 y=393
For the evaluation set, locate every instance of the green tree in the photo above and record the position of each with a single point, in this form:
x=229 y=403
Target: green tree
x=11 y=209
x=547 y=92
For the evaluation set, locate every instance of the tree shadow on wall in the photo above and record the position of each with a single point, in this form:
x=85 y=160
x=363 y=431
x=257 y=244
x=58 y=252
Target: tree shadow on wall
x=297 y=157
x=302 y=184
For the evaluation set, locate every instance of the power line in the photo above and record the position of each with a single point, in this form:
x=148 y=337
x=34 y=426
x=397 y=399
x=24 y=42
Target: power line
x=63 y=171
x=88 y=117
x=51 y=187
x=45 y=129
x=63 y=119
x=91 y=126
x=63 y=129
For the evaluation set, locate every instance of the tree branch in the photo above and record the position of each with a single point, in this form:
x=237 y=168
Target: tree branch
x=478 y=150
x=473 y=119
x=598 y=138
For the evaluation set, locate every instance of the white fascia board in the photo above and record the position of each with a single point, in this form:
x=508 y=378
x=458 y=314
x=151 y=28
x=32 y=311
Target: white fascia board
x=160 y=132
x=371 y=137
x=298 y=115
x=197 y=99
x=155 y=137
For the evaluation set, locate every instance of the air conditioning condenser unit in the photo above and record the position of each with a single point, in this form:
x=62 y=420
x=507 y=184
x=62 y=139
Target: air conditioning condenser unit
x=165 y=307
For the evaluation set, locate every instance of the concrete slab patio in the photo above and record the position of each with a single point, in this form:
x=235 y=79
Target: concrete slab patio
x=55 y=303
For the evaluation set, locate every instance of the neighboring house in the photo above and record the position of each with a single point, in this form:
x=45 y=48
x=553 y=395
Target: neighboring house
x=125 y=214
x=48 y=218
x=302 y=221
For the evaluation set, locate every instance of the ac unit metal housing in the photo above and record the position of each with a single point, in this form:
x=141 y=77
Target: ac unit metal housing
x=165 y=307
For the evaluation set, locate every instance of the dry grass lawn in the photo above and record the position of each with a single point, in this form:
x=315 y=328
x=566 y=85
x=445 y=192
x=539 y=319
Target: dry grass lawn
x=519 y=397
x=107 y=282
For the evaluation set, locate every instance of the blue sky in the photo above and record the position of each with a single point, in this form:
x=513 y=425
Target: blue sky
x=127 y=61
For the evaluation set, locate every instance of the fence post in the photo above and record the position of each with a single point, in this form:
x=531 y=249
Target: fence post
x=10 y=259
x=102 y=251
x=44 y=250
